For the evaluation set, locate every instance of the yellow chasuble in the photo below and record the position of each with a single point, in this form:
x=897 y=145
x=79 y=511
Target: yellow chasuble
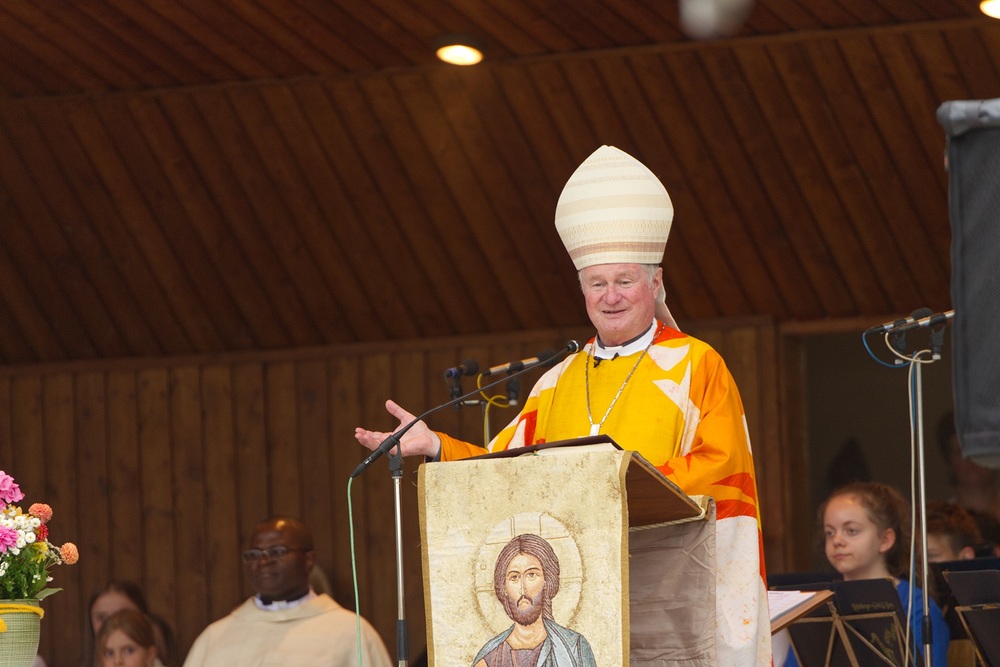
x=682 y=411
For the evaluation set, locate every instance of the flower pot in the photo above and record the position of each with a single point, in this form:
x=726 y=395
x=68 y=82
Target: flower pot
x=19 y=641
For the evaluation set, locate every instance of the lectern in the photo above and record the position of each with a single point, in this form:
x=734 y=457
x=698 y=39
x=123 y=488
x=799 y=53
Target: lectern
x=629 y=556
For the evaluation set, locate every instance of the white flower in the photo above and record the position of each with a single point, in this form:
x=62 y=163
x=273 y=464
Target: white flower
x=29 y=538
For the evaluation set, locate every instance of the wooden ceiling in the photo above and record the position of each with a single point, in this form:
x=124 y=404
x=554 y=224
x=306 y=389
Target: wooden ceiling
x=199 y=176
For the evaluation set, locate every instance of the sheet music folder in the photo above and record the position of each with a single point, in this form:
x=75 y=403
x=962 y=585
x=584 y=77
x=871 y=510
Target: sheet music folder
x=862 y=626
x=652 y=498
x=974 y=587
x=787 y=606
x=946 y=598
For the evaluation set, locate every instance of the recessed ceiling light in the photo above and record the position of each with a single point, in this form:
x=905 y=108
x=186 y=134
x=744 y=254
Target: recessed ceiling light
x=459 y=49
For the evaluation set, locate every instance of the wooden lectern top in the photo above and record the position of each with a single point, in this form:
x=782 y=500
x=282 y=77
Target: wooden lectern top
x=652 y=498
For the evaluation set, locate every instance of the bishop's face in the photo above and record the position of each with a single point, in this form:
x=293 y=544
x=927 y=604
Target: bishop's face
x=621 y=300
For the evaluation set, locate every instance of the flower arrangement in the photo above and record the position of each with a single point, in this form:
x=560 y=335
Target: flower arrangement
x=25 y=551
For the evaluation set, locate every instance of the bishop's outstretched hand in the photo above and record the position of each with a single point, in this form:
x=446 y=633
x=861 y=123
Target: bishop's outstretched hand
x=418 y=441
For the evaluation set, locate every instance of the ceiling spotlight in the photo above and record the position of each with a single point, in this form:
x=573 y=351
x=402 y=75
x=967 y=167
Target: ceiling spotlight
x=459 y=49
x=991 y=8
x=710 y=19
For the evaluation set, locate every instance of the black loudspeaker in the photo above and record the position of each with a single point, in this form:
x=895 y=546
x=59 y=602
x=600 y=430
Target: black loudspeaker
x=973 y=131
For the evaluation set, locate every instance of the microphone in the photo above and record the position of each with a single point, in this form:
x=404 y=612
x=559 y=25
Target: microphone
x=889 y=326
x=467 y=367
x=897 y=335
x=393 y=440
x=512 y=366
x=513 y=388
x=929 y=321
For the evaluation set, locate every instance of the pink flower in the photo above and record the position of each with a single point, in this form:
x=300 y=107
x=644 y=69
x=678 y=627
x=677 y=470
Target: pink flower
x=8 y=538
x=10 y=492
x=41 y=511
x=69 y=553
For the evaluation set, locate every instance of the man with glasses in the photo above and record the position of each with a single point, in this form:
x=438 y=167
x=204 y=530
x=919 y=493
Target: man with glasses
x=286 y=622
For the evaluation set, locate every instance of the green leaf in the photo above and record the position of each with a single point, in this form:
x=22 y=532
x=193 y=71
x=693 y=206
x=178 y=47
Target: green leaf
x=46 y=592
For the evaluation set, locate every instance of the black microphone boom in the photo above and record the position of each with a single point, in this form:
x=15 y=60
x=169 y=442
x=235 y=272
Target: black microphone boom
x=467 y=367
x=393 y=440
x=511 y=366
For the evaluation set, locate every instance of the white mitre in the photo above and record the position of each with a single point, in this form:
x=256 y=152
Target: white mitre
x=613 y=210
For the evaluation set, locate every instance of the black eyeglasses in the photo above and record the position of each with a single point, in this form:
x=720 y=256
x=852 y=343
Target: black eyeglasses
x=269 y=554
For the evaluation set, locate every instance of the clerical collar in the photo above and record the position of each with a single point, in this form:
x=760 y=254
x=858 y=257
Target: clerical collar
x=637 y=344
x=283 y=604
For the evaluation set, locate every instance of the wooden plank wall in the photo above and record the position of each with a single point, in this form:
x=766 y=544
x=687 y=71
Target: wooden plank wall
x=159 y=469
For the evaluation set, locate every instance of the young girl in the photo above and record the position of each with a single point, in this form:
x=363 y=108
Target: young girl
x=126 y=640
x=117 y=595
x=866 y=535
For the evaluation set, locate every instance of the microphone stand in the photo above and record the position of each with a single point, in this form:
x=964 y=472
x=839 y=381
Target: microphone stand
x=926 y=630
x=402 y=635
x=396 y=470
x=455 y=390
x=937 y=343
x=895 y=337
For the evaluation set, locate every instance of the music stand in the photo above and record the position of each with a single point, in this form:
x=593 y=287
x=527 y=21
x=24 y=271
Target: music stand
x=945 y=596
x=860 y=627
x=978 y=596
